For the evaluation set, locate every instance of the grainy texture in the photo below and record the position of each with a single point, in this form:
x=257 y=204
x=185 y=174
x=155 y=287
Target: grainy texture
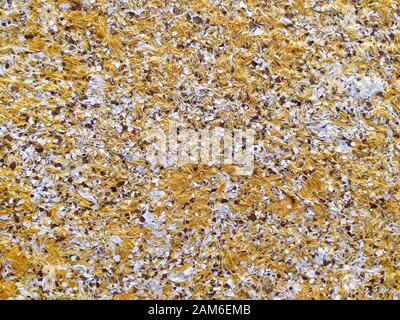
x=82 y=215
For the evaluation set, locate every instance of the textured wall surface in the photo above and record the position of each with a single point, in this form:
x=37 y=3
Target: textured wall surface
x=84 y=215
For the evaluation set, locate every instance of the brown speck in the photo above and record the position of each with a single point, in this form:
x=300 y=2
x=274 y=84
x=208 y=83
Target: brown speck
x=39 y=149
x=13 y=165
x=197 y=20
x=253 y=217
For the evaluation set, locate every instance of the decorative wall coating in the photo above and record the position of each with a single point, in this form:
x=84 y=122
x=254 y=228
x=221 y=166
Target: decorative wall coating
x=84 y=215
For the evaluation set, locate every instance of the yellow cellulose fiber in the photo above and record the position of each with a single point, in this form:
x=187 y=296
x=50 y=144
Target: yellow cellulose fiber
x=85 y=215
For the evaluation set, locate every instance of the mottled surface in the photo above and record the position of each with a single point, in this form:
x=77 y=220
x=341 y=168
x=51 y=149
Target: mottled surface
x=82 y=215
